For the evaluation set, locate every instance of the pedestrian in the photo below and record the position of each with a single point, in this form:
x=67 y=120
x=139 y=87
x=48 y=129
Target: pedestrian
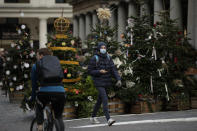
x=47 y=72
x=102 y=69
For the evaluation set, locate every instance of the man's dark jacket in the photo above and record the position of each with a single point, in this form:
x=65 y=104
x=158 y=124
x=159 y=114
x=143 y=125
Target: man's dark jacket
x=103 y=63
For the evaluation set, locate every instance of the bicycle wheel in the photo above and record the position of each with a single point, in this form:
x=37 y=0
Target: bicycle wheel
x=33 y=126
x=54 y=126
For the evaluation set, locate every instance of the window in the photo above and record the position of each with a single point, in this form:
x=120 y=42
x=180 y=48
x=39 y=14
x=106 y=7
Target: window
x=60 y=1
x=16 y=1
x=12 y=20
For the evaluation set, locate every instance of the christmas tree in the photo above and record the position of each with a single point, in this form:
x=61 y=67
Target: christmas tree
x=19 y=60
x=157 y=58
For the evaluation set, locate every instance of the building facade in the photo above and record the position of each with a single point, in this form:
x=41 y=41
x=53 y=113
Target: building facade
x=38 y=15
x=85 y=15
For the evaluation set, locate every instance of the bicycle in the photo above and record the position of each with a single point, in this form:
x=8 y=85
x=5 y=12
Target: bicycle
x=50 y=123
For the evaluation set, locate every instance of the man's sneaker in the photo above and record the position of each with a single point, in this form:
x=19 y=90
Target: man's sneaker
x=111 y=122
x=39 y=128
x=94 y=120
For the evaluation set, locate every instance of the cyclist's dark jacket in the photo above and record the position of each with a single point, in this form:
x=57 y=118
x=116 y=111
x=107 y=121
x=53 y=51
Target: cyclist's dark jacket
x=34 y=80
x=94 y=67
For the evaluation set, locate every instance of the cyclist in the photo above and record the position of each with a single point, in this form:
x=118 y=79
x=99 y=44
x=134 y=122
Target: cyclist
x=48 y=91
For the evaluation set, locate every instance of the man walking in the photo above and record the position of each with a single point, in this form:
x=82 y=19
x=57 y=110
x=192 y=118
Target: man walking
x=102 y=68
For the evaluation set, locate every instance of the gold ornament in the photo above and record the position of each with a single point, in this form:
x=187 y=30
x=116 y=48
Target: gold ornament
x=11 y=89
x=63 y=43
x=68 y=75
x=61 y=24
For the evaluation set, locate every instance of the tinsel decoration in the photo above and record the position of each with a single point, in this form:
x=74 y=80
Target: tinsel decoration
x=167 y=95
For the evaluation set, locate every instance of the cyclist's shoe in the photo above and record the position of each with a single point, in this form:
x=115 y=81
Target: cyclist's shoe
x=111 y=122
x=39 y=128
x=94 y=120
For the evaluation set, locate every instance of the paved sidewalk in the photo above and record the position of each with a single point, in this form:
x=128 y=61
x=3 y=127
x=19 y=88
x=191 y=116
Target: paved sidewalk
x=12 y=118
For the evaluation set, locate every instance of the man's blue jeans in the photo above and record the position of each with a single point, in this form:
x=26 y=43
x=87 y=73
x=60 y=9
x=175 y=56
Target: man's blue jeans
x=102 y=98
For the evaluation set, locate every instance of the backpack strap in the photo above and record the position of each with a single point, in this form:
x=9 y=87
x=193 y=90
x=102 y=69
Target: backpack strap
x=97 y=58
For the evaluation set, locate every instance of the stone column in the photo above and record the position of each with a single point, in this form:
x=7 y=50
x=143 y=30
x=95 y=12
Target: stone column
x=192 y=25
x=42 y=32
x=121 y=21
x=75 y=26
x=158 y=7
x=113 y=20
x=145 y=8
x=1 y=2
x=82 y=29
x=175 y=12
x=88 y=24
x=132 y=11
x=94 y=19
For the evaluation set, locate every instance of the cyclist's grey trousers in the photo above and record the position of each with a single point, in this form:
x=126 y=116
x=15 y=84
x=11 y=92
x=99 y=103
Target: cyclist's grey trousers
x=57 y=100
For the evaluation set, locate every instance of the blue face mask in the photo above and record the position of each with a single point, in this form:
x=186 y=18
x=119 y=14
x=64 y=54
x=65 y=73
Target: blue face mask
x=102 y=51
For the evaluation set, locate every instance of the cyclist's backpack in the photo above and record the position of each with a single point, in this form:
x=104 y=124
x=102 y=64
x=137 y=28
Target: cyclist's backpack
x=97 y=58
x=49 y=71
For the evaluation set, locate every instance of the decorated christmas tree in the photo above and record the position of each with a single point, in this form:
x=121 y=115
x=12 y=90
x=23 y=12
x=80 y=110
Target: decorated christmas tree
x=67 y=48
x=19 y=60
x=157 y=58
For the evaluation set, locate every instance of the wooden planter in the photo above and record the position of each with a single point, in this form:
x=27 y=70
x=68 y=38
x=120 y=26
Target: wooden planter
x=178 y=103
x=69 y=111
x=145 y=107
x=194 y=102
x=116 y=106
x=16 y=96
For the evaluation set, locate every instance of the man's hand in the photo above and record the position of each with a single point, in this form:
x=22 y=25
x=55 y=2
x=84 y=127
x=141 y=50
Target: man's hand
x=119 y=83
x=103 y=71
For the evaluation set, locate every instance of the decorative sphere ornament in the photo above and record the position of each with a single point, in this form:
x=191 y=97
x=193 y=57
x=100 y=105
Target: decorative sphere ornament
x=10 y=84
x=20 y=87
x=61 y=24
x=13 y=45
x=69 y=75
x=19 y=32
x=18 y=47
x=17 y=88
x=7 y=72
x=23 y=27
x=15 y=66
x=14 y=78
x=8 y=59
x=25 y=76
x=72 y=42
x=31 y=43
x=26 y=65
x=63 y=43
x=65 y=70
